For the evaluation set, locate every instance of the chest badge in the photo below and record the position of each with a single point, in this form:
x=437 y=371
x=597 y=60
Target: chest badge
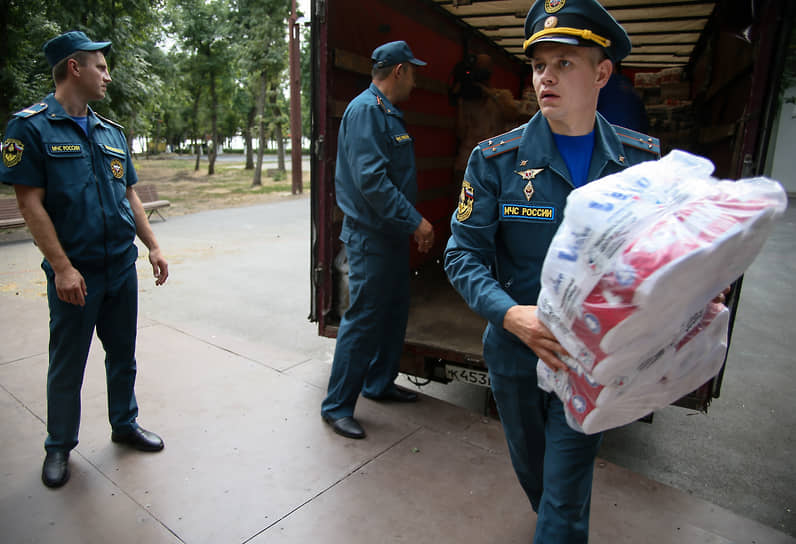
x=12 y=152
x=529 y=175
x=117 y=169
x=466 y=201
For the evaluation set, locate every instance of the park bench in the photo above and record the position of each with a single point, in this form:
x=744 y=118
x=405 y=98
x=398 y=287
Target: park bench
x=148 y=193
x=10 y=216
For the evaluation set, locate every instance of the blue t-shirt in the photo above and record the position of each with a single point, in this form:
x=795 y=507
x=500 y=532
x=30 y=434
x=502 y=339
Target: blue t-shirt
x=82 y=121
x=576 y=151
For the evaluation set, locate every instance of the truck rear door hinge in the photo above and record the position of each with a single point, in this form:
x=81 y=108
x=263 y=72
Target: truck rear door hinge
x=317 y=275
x=319 y=148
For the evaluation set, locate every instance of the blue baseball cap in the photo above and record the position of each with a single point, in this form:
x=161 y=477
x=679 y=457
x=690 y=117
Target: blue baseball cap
x=394 y=53
x=60 y=47
x=575 y=22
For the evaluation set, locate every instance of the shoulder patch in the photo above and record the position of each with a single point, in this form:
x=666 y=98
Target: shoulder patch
x=501 y=143
x=31 y=110
x=105 y=119
x=638 y=140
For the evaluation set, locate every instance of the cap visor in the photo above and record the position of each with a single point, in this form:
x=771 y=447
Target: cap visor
x=417 y=62
x=569 y=40
x=97 y=46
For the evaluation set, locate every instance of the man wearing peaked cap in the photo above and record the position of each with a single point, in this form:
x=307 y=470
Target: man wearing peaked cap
x=393 y=53
x=60 y=47
x=512 y=200
x=376 y=188
x=73 y=177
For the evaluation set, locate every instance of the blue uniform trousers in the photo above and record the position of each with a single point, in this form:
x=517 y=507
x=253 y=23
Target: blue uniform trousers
x=111 y=307
x=371 y=334
x=554 y=463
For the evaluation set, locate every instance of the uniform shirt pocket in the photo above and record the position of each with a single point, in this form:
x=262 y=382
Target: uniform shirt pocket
x=114 y=160
x=67 y=162
x=528 y=227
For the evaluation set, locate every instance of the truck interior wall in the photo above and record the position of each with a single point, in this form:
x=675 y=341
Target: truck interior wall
x=353 y=32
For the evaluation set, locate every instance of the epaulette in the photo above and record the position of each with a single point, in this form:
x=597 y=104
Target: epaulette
x=114 y=123
x=31 y=110
x=381 y=104
x=501 y=143
x=638 y=140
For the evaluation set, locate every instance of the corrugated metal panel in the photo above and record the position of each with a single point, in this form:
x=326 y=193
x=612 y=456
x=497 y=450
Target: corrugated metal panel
x=663 y=32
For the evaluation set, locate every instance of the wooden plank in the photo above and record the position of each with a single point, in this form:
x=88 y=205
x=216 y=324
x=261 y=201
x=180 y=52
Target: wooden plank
x=353 y=62
x=10 y=216
x=412 y=118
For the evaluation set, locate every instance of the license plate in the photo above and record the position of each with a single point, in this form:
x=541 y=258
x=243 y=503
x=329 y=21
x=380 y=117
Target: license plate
x=467 y=375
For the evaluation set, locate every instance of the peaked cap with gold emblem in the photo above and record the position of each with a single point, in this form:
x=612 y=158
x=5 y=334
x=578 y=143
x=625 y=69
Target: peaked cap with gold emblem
x=575 y=22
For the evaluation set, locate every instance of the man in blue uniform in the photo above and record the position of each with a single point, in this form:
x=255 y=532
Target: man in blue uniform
x=513 y=196
x=73 y=176
x=376 y=187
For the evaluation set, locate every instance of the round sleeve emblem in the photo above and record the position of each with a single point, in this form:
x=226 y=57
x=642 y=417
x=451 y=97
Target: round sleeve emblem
x=12 y=152
x=117 y=168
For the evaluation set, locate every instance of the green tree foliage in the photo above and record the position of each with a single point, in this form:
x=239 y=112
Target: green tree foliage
x=183 y=70
x=133 y=26
x=262 y=55
x=203 y=30
x=306 y=82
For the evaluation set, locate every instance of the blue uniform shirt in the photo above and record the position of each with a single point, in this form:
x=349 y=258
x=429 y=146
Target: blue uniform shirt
x=512 y=202
x=376 y=177
x=85 y=178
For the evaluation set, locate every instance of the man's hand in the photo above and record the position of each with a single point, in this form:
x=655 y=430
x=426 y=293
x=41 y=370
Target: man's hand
x=721 y=298
x=424 y=236
x=160 y=268
x=523 y=323
x=71 y=287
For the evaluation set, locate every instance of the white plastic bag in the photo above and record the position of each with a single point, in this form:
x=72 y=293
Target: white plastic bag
x=629 y=276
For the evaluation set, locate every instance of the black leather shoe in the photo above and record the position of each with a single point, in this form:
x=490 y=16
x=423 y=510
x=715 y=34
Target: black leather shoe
x=55 y=471
x=345 y=426
x=140 y=439
x=396 y=394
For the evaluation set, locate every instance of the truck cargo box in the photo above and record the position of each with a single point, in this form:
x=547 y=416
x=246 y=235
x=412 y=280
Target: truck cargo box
x=708 y=73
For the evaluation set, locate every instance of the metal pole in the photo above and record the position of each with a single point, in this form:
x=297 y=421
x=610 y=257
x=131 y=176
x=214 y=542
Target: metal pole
x=295 y=103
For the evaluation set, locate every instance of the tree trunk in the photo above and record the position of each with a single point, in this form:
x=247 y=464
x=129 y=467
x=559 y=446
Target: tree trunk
x=131 y=131
x=212 y=151
x=280 y=146
x=247 y=134
x=258 y=169
x=198 y=147
x=280 y=141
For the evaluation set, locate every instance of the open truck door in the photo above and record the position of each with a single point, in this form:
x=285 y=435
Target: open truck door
x=709 y=73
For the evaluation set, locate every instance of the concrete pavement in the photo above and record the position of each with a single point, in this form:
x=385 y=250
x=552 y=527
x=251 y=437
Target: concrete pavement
x=231 y=374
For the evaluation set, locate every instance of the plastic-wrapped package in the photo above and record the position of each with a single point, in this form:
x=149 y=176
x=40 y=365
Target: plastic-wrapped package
x=629 y=276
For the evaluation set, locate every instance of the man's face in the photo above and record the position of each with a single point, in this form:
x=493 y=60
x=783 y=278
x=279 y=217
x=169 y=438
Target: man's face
x=94 y=76
x=567 y=80
x=406 y=81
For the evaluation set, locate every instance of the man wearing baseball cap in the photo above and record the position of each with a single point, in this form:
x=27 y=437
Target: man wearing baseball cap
x=73 y=177
x=376 y=187
x=512 y=200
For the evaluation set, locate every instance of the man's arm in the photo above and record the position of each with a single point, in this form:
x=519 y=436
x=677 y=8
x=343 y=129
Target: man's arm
x=69 y=283
x=160 y=268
